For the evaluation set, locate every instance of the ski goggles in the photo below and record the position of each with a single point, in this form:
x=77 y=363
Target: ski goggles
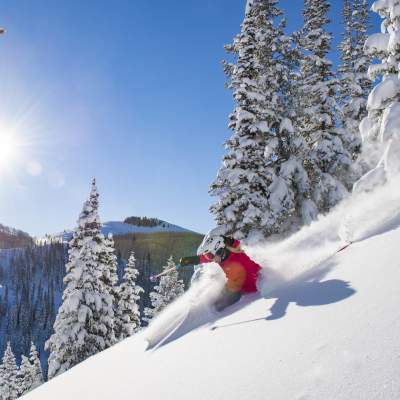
x=222 y=253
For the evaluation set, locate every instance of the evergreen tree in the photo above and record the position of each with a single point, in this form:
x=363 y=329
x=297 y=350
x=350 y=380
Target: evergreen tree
x=85 y=316
x=9 y=372
x=262 y=185
x=24 y=376
x=2 y=386
x=36 y=370
x=376 y=47
x=380 y=128
x=346 y=53
x=363 y=83
x=169 y=288
x=354 y=82
x=30 y=374
x=127 y=315
x=348 y=88
x=329 y=161
x=109 y=264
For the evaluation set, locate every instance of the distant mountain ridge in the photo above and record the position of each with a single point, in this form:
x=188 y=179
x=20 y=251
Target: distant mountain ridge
x=12 y=238
x=123 y=228
x=130 y=225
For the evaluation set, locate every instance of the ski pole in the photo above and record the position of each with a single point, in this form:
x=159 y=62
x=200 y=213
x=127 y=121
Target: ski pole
x=154 y=278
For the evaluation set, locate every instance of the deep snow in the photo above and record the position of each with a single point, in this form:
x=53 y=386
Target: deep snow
x=327 y=326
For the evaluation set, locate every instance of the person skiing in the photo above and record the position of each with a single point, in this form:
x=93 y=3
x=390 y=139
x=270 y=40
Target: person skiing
x=241 y=272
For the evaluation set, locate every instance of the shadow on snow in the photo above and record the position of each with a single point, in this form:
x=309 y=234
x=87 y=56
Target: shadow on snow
x=307 y=290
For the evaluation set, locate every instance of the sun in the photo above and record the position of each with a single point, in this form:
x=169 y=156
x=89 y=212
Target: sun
x=9 y=149
x=19 y=136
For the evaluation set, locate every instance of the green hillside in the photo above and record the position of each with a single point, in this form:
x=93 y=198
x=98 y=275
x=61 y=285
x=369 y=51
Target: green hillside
x=158 y=246
x=153 y=249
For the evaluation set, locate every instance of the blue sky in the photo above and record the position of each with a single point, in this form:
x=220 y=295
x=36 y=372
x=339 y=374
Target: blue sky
x=131 y=92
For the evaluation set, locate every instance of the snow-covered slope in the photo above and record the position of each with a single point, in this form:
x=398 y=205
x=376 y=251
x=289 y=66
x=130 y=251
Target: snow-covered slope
x=121 y=228
x=325 y=326
x=118 y=228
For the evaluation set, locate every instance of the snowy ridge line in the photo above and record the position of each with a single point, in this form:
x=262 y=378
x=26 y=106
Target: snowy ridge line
x=121 y=228
x=117 y=228
x=12 y=231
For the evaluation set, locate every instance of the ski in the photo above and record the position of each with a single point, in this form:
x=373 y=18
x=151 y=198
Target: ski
x=344 y=247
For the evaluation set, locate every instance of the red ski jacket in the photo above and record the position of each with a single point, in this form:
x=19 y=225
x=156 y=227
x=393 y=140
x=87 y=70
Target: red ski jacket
x=240 y=270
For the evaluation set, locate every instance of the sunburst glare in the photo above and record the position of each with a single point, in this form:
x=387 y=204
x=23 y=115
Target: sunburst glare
x=10 y=148
x=18 y=148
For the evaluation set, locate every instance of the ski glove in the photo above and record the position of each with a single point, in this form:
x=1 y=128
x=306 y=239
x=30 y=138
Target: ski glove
x=194 y=260
x=229 y=241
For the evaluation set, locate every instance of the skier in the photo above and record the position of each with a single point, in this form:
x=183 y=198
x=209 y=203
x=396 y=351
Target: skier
x=240 y=270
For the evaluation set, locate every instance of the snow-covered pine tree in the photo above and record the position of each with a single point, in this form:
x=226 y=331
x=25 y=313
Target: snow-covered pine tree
x=347 y=86
x=1 y=383
x=24 y=376
x=261 y=185
x=381 y=126
x=127 y=314
x=86 y=315
x=354 y=81
x=241 y=183
x=168 y=289
x=346 y=53
x=109 y=264
x=329 y=161
x=363 y=83
x=37 y=373
x=365 y=55
x=29 y=375
x=9 y=372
